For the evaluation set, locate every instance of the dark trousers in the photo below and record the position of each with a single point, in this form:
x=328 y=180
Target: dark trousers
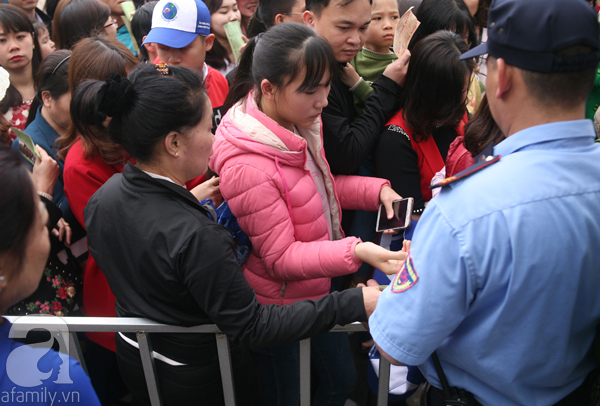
x=331 y=359
x=190 y=384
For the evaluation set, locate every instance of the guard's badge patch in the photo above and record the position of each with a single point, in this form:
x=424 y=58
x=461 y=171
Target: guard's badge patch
x=406 y=276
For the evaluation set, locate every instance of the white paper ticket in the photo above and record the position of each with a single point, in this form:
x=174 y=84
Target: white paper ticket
x=407 y=25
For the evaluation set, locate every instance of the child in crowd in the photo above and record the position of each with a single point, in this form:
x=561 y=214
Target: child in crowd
x=47 y=46
x=269 y=153
x=376 y=54
x=181 y=32
x=221 y=56
x=20 y=56
x=141 y=24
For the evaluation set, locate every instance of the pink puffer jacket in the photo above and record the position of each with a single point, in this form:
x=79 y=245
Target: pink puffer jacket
x=275 y=199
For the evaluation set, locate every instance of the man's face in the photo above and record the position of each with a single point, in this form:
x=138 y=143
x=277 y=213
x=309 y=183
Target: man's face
x=190 y=57
x=295 y=15
x=491 y=85
x=345 y=28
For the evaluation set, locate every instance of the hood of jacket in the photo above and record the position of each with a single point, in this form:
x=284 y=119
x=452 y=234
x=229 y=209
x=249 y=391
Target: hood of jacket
x=247 y=129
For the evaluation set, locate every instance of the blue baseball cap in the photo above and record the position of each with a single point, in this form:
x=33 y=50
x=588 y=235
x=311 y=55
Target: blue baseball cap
x=176 y=23
x=528 y=33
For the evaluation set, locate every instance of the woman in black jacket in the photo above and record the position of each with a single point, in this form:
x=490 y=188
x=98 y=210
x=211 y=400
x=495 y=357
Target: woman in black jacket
x=164 y=258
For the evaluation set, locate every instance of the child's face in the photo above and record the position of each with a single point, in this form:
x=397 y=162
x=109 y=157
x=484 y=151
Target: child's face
x=16 y=49
x=190 y=57
x=384 y=18
x=47 y=46
x=226 y=13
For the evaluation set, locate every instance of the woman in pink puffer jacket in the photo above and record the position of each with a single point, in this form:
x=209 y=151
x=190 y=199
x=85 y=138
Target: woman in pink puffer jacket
x=273 y=173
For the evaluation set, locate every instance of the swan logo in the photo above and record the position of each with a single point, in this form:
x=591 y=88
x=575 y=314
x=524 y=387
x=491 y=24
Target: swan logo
x=30 y=365
x=169 y=11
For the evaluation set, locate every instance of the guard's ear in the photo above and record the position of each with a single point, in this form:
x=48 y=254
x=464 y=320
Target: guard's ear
x=505 y=74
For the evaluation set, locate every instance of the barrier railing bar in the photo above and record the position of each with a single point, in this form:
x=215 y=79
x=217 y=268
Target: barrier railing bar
x=226 y=370
x=304 y=355
x=77 y=354
x=384 y=382
x=143 y=327
x=149 y=368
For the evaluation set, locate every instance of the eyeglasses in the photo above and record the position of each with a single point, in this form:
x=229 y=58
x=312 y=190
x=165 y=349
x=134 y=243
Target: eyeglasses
x=112 y=22
x=293 y=14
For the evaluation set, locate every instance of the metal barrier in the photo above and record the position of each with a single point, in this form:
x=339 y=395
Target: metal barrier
x=143 y=327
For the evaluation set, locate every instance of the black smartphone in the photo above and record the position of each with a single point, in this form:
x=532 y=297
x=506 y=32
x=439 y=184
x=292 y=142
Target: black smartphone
x=402 y=211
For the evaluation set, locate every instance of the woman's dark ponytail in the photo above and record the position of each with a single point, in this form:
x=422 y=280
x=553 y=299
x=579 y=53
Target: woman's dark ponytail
x=243 y=81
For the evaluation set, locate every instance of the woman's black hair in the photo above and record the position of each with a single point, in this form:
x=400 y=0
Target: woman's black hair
x=143 y=108
x=78 y=19
x=17 y=205
x=280 y=55
x=435 y=83
x=215 y=58
x=51 y=76
x=141 y=24
x=482 y=131
x=13 y=19
x=451 y=15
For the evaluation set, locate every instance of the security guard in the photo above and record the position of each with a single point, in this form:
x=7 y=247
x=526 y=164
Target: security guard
x=503 y=281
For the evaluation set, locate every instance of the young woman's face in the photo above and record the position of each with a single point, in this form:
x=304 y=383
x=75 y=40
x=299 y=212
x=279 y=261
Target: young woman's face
x=58 y=110
x=24 y=281
x=226 y=13
x=197 y=145
x=46 y=44
x=300 y=109
x=247 y=7
x=110 y=27
x=16 y=49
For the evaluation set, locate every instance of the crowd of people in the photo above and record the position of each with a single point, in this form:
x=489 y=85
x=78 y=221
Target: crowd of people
x=223 y=162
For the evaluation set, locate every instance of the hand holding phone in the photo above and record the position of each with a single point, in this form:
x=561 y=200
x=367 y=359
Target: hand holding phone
x=401 y=220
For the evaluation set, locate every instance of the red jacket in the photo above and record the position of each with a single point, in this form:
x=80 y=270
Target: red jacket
x=430 y=159
x=82 y=178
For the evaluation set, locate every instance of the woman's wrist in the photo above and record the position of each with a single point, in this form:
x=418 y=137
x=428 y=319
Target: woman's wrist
x=45 y=195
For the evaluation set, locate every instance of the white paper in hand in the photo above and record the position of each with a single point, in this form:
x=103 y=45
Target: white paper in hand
x=407 y=25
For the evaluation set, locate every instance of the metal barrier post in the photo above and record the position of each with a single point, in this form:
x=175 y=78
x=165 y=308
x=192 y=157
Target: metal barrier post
x=384 y=382
x=226 y=371
x=77 y=354
x=305 y=397
x=149 y=368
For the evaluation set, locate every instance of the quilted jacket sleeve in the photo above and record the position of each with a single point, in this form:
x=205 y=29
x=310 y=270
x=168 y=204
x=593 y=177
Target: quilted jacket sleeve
x=263 y=214
x=359 y=192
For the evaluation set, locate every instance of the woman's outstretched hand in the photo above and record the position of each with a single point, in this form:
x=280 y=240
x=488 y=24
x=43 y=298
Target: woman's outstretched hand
x=387 y=196
x=388 y=262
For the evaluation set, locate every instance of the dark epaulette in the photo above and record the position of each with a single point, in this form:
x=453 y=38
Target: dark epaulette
x=483 y=163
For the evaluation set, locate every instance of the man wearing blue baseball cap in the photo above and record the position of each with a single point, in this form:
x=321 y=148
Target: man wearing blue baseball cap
x=502 y=283
x=181 y=30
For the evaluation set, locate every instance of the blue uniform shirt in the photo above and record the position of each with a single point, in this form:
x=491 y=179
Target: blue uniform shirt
x=507 y=275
